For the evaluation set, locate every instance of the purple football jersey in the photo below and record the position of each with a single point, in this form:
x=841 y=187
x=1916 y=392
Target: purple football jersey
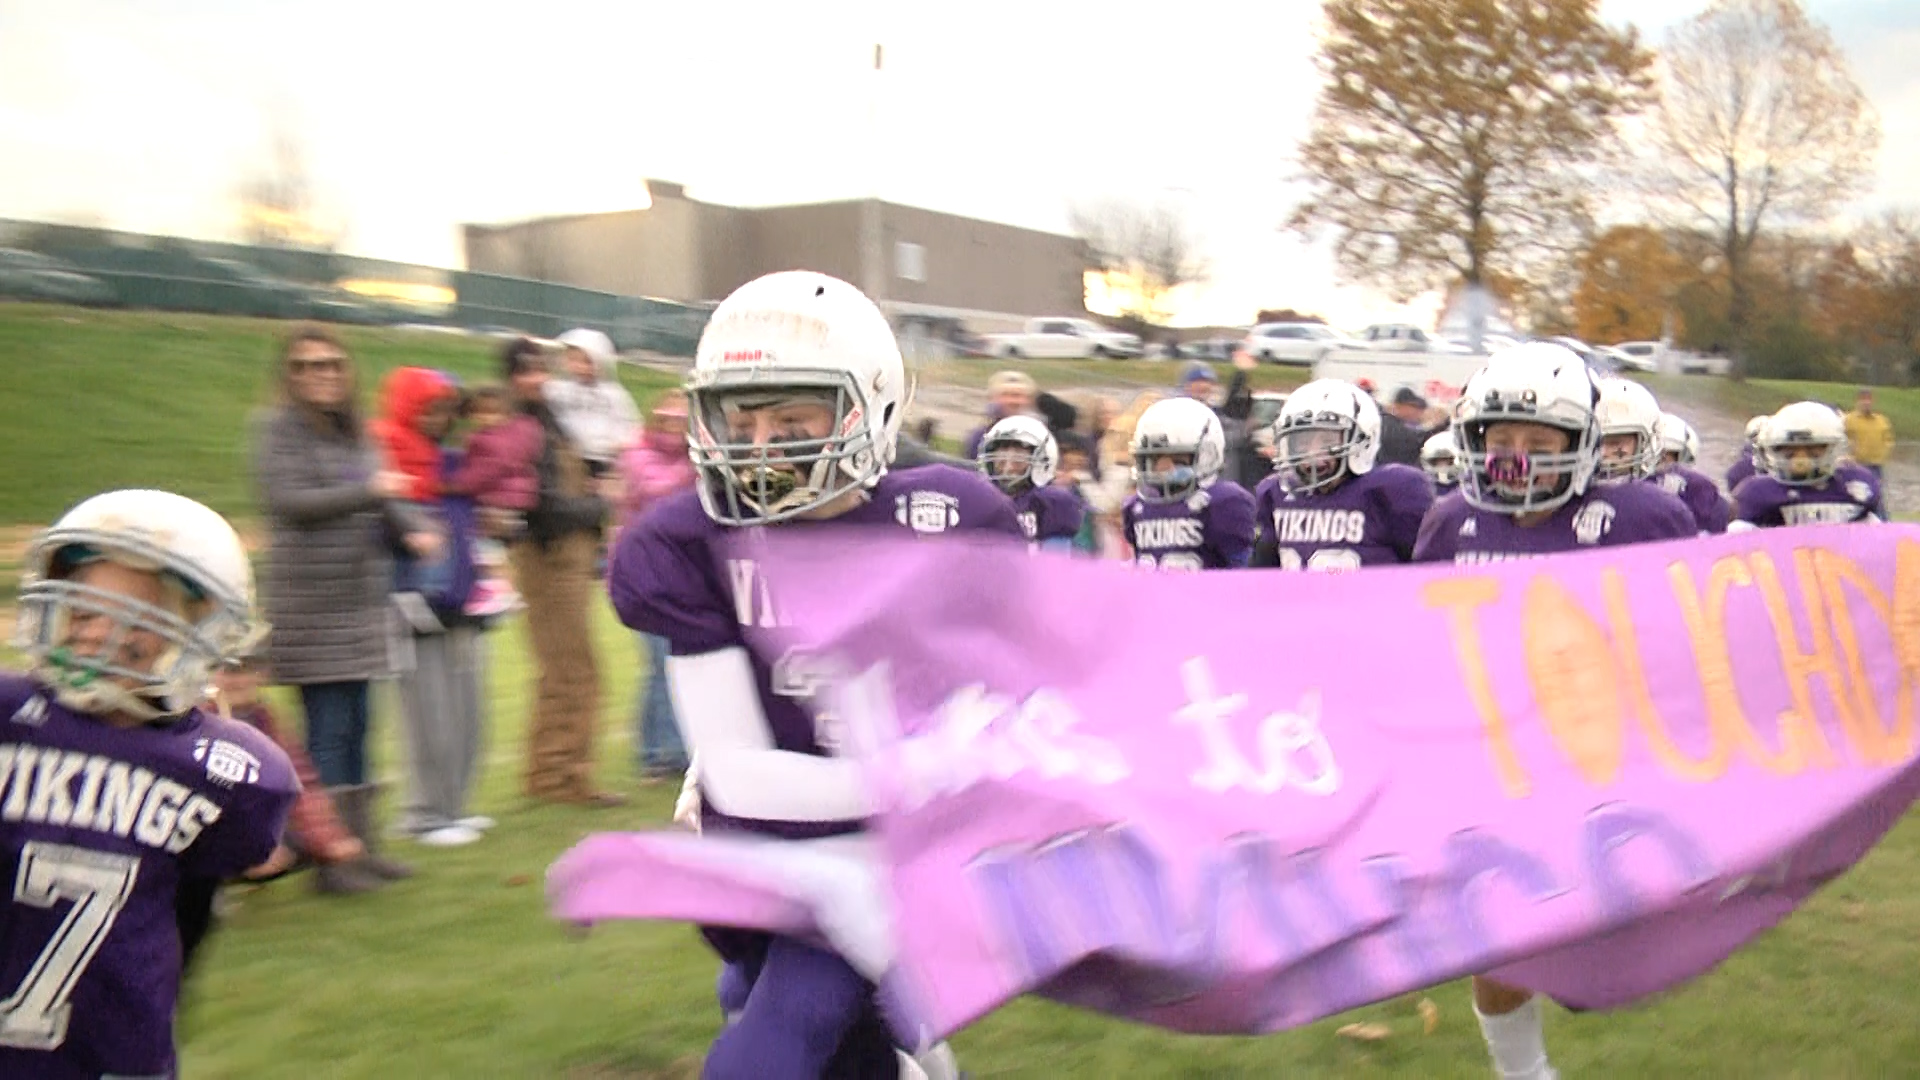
x=1049 y=513
x=672 y=576
x=1851 y=494
x=1634 y=512
x=1369 y=520
x=98 y=825
x=1699 y=492
x=1742 y=468
x=1213 y=530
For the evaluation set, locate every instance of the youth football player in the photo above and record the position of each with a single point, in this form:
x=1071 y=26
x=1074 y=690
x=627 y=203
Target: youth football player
x=1020 y=456
x=1802 y=479
x=125 y=803
x=1183 y=515
x=1679 y=449
x=1529 y=438
x=794 y=408
x=1328 y=505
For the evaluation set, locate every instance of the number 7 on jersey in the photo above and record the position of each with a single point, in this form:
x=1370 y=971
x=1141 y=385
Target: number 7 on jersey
x=98 y=884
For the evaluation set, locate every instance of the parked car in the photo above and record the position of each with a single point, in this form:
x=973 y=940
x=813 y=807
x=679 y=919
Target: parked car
x=1401 y=337
x=29 y=275
x=1295 y=342
x=1213 y=350
x=1640 y=355
x=264 y=295
x=1064 y=338
x=1627 y=361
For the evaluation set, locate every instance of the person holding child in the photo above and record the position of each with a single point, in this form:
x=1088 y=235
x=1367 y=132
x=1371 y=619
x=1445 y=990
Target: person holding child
x=437 y=640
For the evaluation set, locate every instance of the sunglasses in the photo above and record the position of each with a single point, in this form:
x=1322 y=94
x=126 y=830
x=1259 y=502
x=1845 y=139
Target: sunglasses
x=319 y=366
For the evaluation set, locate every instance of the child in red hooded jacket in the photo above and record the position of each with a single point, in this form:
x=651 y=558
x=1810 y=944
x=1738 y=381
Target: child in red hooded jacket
x=417 y=406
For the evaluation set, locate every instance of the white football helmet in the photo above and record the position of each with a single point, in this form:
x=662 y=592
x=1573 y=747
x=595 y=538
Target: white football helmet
x=1021 y=441
x=1177 y=426
x=1808 y=425
x=1535 y=383
x=1754 y=427
x=1627 y=408
x=1678 y=437
x=1438 y=458
x=1326 y=431
x=794 y=336
x=202 y=565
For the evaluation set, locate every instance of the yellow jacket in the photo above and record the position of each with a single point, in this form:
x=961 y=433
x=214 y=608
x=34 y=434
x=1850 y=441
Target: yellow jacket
x=1870 y=438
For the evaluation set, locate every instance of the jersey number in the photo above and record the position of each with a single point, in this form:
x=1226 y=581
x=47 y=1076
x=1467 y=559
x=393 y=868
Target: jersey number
x=1173 y=560
x=1325 y=560
x=98 y=884
x=800 y=675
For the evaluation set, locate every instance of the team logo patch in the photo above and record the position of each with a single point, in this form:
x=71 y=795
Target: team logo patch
x=1592 y=522
x=1860 y=491
x=1470 y=527
x=927 y=512
x=227 y=763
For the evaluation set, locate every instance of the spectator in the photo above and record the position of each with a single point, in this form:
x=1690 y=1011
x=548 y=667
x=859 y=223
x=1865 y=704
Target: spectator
x=318 y=834
x=1009 y=393
x=553 y=563
x=656 y=466
x=594 y=410
x=1869 y=433
x=437 y=643
x=330 y=511
x=1402 y=434
x=1075 y=473
x=1233 y=408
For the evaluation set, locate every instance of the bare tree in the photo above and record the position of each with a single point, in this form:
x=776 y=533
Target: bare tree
x=277 y=206
x=1759 y=124
x=1453 y=141
x=1148 y=250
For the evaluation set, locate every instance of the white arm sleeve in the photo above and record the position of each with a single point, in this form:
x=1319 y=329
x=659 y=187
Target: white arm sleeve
x=717 y=703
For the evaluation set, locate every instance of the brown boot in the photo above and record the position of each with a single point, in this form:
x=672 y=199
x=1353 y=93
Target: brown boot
x=345 y=879
x=355 y=803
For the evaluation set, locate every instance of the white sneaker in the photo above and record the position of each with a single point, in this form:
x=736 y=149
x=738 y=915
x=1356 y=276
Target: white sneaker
x=478 y=823
x=449 y=836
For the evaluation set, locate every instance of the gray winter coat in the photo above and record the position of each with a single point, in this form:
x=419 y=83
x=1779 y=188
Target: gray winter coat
x=328 y=565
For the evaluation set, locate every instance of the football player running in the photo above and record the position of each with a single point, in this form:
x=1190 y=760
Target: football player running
x=1527 y=430
x=1747 y=464
x=1629 y=445
x=795 y=403
x=1182 y=515
x=1528 y=433
x=1802 y=479
x=1328 y=506
x=127 y=803
x=1528 y=436
x=1021 y=457
x=1679 y=449
x=1441 y=464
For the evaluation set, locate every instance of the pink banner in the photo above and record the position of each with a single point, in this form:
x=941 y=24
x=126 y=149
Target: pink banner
x=1242 y=801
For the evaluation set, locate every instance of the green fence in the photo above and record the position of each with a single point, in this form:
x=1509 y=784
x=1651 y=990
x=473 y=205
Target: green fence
x=71 y=264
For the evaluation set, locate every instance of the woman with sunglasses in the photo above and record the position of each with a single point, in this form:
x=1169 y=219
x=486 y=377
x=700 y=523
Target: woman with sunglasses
x=332 y=513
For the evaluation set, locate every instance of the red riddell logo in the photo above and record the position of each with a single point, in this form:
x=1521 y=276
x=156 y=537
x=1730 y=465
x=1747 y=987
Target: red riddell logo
x=736 y=356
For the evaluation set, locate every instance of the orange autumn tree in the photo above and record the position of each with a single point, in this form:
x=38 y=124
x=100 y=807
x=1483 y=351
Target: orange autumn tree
x=1628 y=279
x=1453 y=140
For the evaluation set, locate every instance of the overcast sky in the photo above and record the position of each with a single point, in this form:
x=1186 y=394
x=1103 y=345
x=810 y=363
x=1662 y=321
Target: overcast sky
x=421 y=114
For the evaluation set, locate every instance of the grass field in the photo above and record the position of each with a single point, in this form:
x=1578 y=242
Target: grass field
x=458 y=973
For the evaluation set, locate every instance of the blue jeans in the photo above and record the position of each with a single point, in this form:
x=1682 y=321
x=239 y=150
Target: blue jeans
x=660 y=744
x=337 y=730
